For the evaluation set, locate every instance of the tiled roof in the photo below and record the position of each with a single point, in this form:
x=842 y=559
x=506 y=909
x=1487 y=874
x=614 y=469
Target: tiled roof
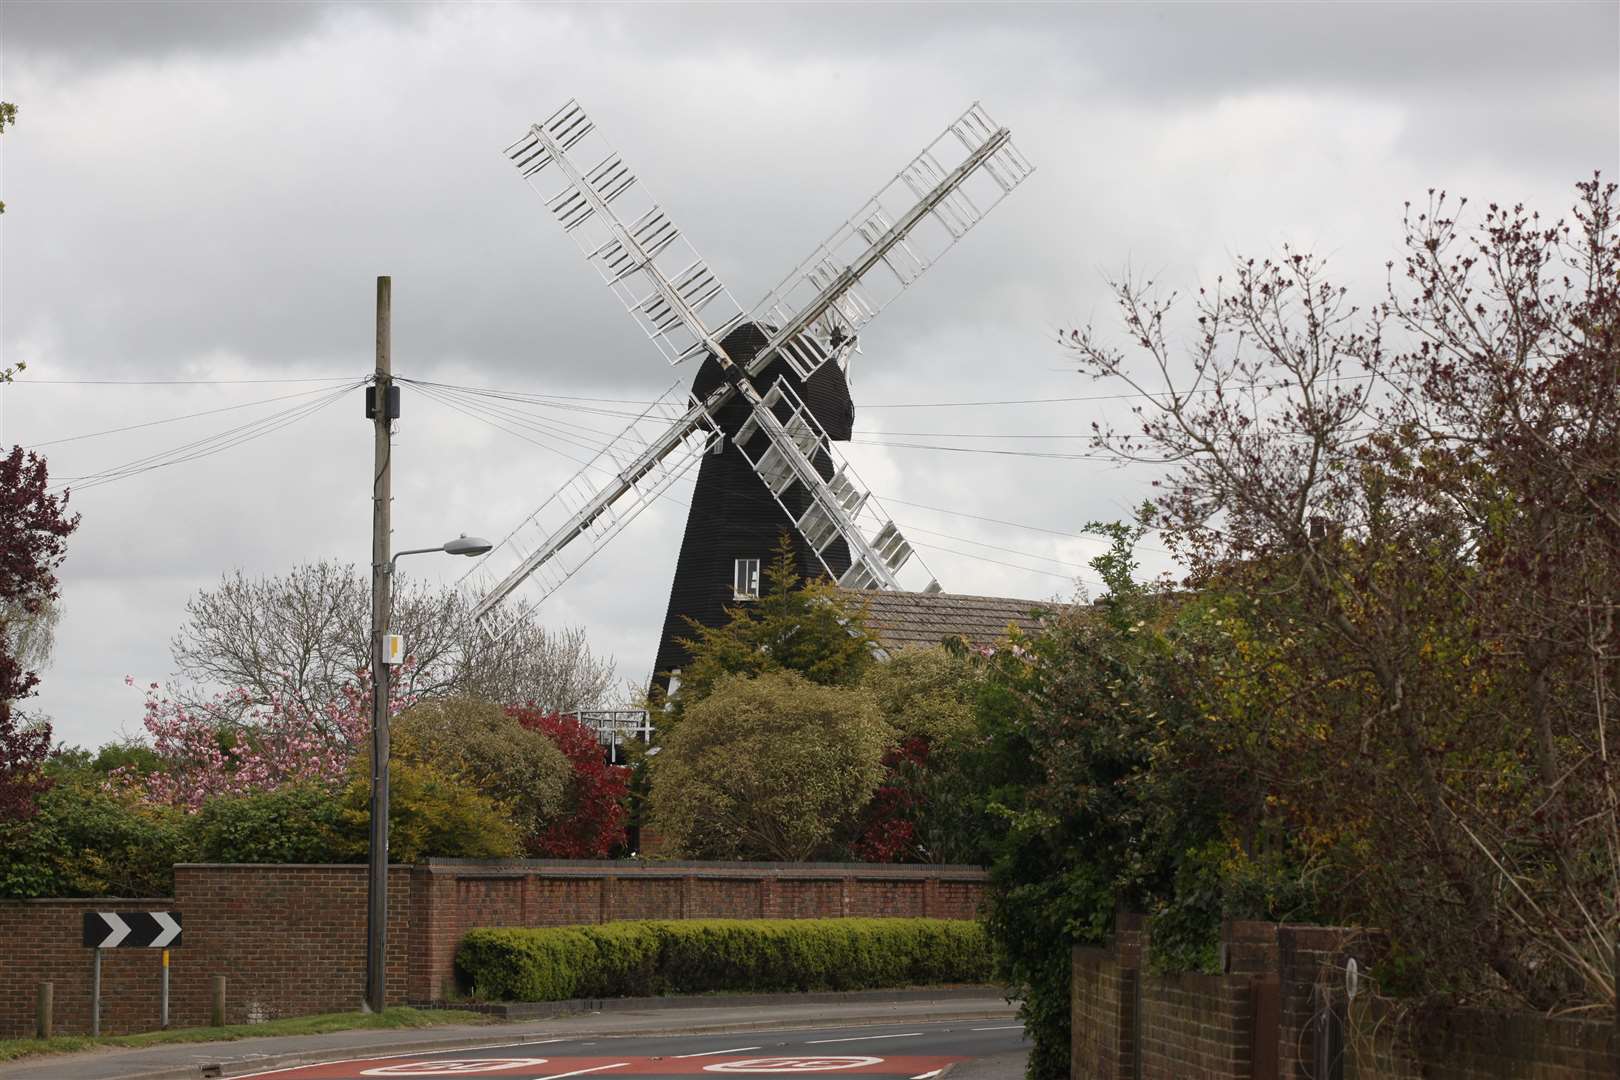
x=903 y=619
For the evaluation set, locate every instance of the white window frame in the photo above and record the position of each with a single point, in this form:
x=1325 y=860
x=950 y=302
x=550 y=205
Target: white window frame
x=745 y=579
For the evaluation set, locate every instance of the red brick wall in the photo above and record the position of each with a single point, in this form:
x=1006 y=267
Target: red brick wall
x=42 y=943
x=1383 y=1042
x=1195 y=1025
x=1130 y=1022
x=291 y=939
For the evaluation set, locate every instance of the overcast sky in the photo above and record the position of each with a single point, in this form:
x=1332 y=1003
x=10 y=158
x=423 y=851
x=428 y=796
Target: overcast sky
x=208 y=191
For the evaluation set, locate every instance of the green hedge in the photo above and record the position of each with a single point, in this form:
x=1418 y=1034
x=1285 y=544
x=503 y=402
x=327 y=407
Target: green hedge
x=695 y=956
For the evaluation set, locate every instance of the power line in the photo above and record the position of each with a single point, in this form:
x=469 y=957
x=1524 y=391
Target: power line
x=993 y=547
x=209 y=445
x=169 y=382
x=487 y=414
x=1049 y=454
x=998 y=562
x=176 y=419
x=1090 y=397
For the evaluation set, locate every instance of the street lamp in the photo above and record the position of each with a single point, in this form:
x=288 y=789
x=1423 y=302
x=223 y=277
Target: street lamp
x=377 y=885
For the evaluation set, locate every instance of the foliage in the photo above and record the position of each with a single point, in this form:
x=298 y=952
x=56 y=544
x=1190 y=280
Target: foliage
x=773 y=767
x=592 y=822
x=1095 y=770
x=34 y=528
x=30 y=635
x=301 y=638
x=295 y=823
x=489 y=750
x=8 y=116
x=430 y=814
x=926 y=693
x=1412 y=556
x=230 y=747
x=807 y=628
x=88 y=841
x=695 y=956
x=923 y=809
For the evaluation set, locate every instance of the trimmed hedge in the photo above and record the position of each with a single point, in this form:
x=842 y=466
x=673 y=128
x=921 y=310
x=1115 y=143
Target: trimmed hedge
x=695 y=956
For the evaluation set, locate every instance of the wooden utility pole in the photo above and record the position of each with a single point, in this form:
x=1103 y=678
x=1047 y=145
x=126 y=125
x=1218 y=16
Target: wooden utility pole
x=382 y=414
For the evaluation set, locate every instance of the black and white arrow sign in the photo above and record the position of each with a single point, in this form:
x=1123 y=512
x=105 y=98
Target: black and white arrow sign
x=131 y=929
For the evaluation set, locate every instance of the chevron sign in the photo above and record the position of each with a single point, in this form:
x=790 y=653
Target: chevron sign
x=131 y=929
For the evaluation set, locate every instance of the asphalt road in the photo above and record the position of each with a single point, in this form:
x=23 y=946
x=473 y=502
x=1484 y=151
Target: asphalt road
x=921 y=1051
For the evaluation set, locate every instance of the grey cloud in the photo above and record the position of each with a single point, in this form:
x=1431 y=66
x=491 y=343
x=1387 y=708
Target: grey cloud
x=226 y=204
x=102 y=31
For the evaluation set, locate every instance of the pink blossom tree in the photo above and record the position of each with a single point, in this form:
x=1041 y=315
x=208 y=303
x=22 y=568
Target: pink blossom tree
x=206 y=752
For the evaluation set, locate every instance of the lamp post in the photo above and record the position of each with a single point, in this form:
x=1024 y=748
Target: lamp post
x=377 y=880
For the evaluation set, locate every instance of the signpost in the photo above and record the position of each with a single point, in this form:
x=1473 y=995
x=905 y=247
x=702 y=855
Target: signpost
x=130 y=930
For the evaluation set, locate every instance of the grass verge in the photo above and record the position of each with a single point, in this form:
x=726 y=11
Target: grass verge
x=400 y=1017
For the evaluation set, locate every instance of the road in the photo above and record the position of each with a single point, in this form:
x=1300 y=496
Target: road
x=889 y=1052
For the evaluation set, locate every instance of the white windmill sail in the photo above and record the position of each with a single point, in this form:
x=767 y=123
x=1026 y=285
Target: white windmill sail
x=643 y=257
x=686 y=311
x=596 y=503
x=895 y=236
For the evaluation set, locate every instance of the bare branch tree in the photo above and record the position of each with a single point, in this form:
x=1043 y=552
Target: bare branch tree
x=303 y=636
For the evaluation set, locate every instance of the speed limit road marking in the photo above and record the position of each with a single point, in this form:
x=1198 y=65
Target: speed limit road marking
x=733 y=1066
x=792 y=1064
x=453 y=1068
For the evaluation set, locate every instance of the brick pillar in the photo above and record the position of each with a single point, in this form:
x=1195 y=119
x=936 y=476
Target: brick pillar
x=930 y=902
x=769 y=904
x=606 y=895
x=687 y=885
x=846 y=889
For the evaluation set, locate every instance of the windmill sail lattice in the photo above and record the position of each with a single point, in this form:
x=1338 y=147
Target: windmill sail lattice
x=687 y=312
x=596 y=503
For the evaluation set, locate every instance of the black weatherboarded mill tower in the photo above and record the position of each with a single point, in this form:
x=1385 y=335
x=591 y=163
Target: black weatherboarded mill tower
x=734 y=523
x=771 y=398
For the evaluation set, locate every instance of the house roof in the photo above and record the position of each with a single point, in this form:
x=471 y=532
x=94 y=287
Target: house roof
x=904 y=619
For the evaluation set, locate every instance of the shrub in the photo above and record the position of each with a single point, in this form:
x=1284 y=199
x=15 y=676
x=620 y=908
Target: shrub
x=293 y=824
x=592 y=822
x=772 y=767
x=429 y=814
x=695 y=956
x=479 y=744
x=87 y=841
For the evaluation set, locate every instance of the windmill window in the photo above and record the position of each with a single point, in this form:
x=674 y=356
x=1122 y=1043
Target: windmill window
x=745 y=580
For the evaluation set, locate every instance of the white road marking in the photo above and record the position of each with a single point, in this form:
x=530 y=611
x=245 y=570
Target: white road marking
x=863 y=1038
x=582 y=1072
x=927 y=1075
x=1004 y=1027
x=792 y=1064
x=459 y=1067
x=709 y=1053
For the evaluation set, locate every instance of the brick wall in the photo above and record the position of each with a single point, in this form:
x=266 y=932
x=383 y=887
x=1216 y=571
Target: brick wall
x=1131 y=1023
x=1195 y=1025
x=1383 y=1041
x=291 y=939
x=42 y=942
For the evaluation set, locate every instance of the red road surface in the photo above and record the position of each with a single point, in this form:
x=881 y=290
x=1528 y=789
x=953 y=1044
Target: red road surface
x=513 y=1064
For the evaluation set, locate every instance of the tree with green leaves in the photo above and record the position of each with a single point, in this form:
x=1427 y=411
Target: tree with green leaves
x=806 y=627
x=1415 y=546
x=8 y=117
x=481 y=745
x=772 y=766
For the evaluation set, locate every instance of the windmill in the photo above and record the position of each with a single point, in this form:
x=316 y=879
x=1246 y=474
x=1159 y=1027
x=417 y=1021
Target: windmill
x=771 y=396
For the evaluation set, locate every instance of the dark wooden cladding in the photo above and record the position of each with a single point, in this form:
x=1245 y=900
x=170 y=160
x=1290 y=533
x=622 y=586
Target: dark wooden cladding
x=733 y=515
